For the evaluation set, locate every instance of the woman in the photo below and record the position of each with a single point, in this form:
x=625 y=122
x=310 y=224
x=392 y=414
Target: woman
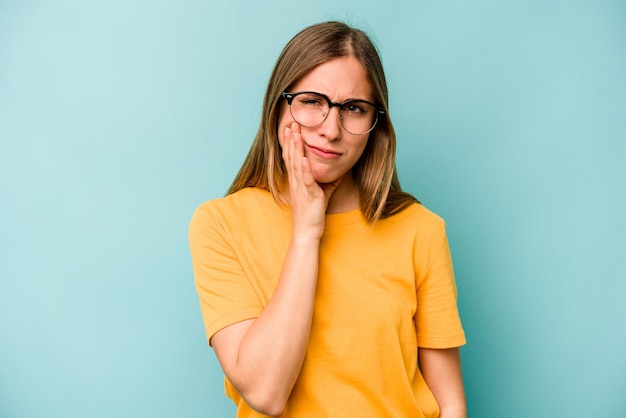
x=325 y=290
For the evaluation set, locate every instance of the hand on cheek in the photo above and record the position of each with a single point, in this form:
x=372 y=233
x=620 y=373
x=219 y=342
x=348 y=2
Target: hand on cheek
x=308 y=199
x=298 y=166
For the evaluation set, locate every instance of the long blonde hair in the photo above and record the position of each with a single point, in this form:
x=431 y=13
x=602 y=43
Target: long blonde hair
x=380 y=195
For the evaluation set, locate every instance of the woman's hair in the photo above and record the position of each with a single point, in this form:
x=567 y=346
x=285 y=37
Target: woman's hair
x=380 y=195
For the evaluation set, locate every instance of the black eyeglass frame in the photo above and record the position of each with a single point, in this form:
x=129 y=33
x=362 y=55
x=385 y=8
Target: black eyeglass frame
x=379 y=110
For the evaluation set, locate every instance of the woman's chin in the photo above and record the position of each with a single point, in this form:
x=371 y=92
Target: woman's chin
x=325 y=178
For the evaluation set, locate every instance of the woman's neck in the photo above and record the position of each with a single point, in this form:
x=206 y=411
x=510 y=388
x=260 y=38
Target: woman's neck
x=346 y=197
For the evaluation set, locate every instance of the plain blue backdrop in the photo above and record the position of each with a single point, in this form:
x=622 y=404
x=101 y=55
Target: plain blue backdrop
x=118 y=118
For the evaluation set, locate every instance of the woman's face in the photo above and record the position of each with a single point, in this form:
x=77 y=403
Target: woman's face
x=330 y=149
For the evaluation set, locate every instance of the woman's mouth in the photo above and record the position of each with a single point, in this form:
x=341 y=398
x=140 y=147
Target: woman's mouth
x=323 y=153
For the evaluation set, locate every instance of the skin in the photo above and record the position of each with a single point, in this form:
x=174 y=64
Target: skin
x=442 y=372
x=262 y=357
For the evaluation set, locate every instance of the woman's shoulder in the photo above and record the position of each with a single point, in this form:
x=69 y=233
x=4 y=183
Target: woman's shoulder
x=245 y=205
x=244 y=199
x=420 y=214
x=418 y=221
x=421 y=225
x=248 y=211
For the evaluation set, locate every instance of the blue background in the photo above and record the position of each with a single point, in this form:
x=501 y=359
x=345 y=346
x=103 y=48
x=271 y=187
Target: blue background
x=118 y=118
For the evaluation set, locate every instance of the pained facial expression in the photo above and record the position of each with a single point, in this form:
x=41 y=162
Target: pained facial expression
x=331 y=150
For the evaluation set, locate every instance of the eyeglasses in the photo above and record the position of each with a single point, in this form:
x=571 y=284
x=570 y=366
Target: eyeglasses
x=310 y=109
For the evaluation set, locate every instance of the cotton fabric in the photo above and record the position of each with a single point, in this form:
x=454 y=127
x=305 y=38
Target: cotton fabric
x=383 y=291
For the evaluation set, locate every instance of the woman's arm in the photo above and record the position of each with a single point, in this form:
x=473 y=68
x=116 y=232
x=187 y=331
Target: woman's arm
x=262 y=357
x=441 y=369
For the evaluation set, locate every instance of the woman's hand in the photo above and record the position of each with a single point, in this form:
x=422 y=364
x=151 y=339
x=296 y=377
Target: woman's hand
x=308 y=199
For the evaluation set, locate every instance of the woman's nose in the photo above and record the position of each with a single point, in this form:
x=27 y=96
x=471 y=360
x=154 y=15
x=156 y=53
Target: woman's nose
x=331 y=127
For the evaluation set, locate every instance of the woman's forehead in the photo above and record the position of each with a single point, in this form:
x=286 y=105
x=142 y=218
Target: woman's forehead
x=340 y=79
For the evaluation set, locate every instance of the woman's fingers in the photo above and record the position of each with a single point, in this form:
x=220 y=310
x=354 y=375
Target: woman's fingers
x=306 y=173
x=298 y=150
x=294 y=147
x=302 y=166
x=288 y=155
x=301 y=180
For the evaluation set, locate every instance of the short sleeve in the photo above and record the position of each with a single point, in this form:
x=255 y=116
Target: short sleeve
x=437 y=320
x=226 y=295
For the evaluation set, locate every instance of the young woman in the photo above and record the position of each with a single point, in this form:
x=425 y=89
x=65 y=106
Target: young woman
x=327 y=291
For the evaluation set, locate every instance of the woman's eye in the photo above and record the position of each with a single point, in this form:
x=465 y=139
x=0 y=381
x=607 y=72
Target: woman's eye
x=354 y=108
x=310 y=101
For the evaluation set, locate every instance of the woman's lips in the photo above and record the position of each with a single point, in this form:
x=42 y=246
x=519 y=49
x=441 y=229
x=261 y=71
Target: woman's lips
x=323 y=153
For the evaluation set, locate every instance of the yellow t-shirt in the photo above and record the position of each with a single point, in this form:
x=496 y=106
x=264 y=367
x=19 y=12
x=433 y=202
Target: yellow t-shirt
x=382 y=291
